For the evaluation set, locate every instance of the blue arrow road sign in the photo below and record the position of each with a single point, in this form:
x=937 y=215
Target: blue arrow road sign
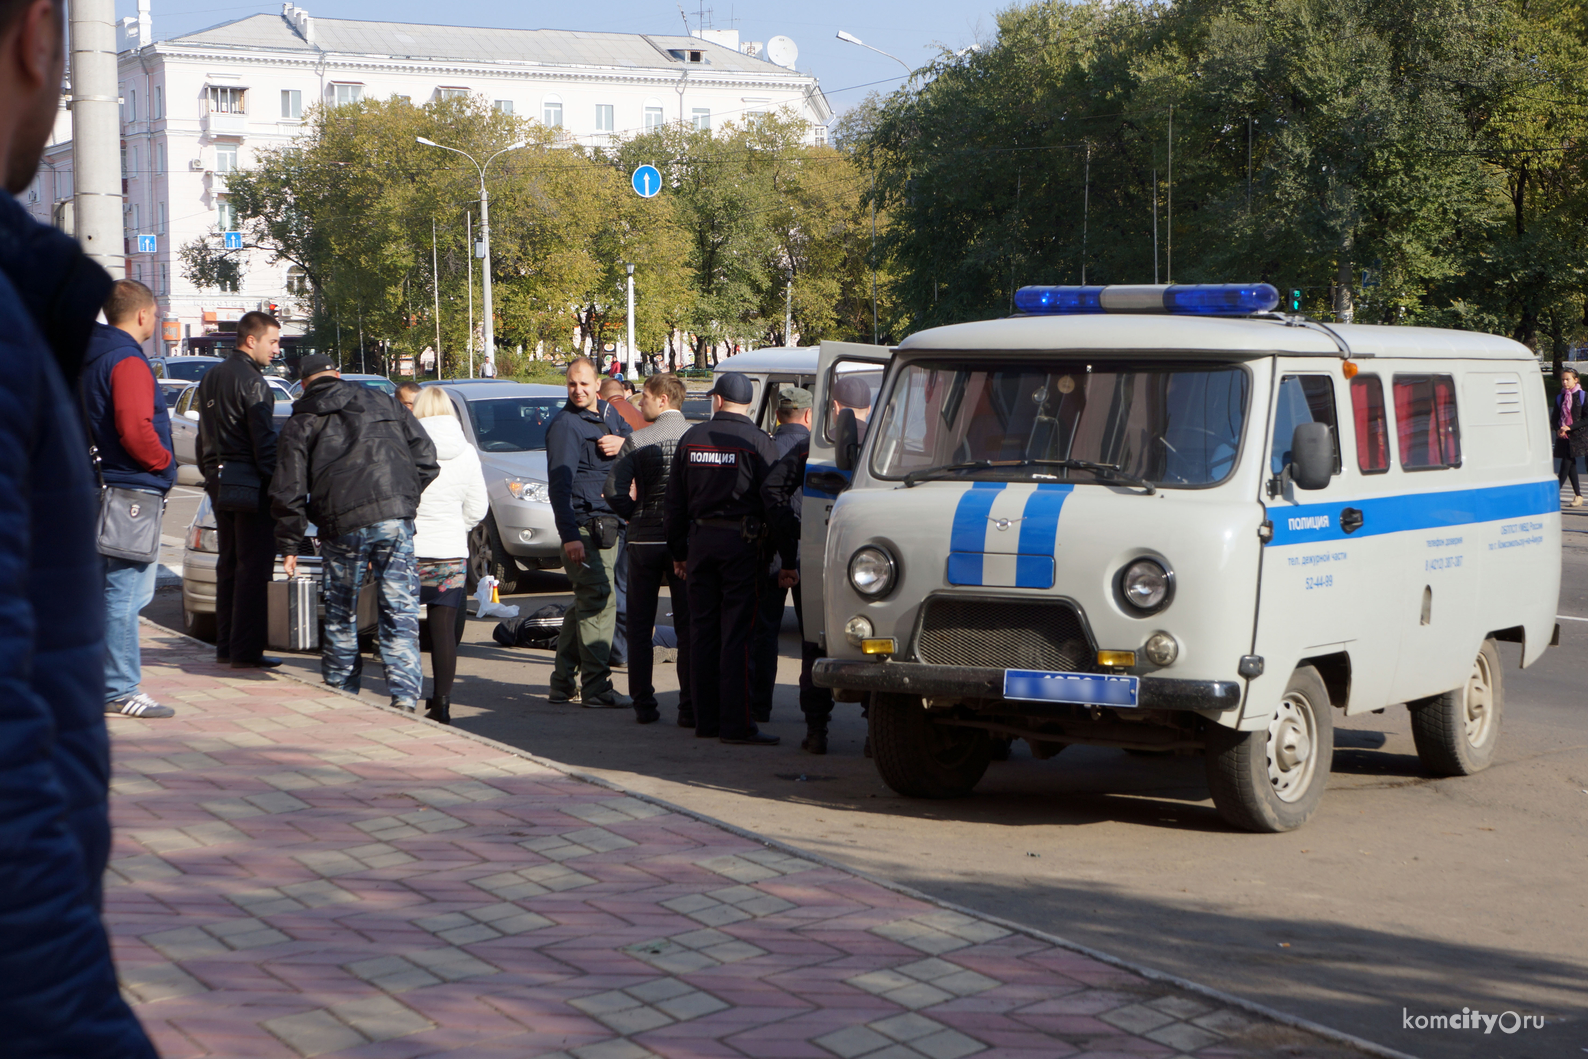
x=234 y=240
x=647 y=181
x=146 y=244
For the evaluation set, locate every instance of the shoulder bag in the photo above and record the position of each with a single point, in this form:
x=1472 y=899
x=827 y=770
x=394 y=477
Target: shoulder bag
x=129 y=519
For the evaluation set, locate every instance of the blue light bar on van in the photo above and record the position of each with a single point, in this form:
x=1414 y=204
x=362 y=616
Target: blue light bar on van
x=1184 y=299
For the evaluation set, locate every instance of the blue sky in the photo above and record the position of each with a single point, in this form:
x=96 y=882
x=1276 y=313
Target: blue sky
x=913 y=30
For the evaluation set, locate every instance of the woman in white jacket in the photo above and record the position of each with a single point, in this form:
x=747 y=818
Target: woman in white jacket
x=449 y=508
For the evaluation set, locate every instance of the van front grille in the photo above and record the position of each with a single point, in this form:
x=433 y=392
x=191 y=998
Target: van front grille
x=1003 y=634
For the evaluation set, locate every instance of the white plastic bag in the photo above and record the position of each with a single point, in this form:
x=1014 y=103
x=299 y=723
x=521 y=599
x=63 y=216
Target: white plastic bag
x=487 y=609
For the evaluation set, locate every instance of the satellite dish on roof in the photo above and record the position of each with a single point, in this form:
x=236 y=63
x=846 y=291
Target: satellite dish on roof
x=782 y=51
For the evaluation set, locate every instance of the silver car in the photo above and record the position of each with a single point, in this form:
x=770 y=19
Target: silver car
x=507 y=421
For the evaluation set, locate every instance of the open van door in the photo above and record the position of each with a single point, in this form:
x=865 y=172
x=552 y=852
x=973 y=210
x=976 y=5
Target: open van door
x=848 y=378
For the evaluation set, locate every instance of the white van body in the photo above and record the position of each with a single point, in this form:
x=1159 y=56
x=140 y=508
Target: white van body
x=1387 y=585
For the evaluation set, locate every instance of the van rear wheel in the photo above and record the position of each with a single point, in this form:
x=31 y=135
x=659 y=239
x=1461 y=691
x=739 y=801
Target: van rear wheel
x=1456 y=732
x=1272 y=779
x=920 y=758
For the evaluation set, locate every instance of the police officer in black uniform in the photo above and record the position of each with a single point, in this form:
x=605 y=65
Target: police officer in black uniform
x=718 y=537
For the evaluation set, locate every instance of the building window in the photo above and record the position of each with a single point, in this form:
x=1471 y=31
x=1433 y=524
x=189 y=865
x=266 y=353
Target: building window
x=504 y=106
x=165 y=279
x=445 y=94
x=159 y=226
x=132 y=213
x=159 y=104
x=159 y=158
x=222 y=100
x=700 y=117
x=551 y=114
x=132 y=104
x=137 y=273
x=226 y=215
x=132 y=161
x=653 y=118
x=297 y=281
x=604 y=119
x=291 y=104
x=820 y=135
x=343 y=94
x=225 y=158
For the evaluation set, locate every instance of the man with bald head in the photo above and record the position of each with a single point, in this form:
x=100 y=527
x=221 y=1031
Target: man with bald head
x=61 y=997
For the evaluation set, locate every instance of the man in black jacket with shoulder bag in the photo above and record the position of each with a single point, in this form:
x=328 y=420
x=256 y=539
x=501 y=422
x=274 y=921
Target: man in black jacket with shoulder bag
x=237 y=453
x=355 y=461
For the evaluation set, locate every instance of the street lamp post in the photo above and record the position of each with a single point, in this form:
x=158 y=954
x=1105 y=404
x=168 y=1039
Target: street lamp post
x=850 y=38
x=630 y=366
x=485 y=235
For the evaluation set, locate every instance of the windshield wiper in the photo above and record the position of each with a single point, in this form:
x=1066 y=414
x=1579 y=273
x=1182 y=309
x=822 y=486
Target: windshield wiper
x=1102 y=470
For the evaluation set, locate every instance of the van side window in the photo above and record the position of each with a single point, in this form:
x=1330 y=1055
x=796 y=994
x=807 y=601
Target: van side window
x=1302 y=399
x=1372 y=430
x=1425 y=422
x=851 y=384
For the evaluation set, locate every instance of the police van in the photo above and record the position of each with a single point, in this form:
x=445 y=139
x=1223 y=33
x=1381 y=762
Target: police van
x=1170 y=519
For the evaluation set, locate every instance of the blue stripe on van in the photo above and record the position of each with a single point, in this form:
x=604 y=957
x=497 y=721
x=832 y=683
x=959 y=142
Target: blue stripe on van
x=1039 y=531
x=968 y=537
x=1311 y=523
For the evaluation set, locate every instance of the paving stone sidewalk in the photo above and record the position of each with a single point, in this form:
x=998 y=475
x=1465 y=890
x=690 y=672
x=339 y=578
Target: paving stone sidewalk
x=297 y=873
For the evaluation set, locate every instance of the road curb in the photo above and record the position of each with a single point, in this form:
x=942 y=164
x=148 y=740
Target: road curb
x=1149 y=973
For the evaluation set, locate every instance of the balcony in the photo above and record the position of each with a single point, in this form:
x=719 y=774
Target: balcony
x=226 y=124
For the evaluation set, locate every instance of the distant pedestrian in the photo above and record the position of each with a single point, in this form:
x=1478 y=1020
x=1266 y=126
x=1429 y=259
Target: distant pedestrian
x=488 y=369
x=716 y=531
x=237 y=453
x=1569 y=422
x=131 y=430
x=581 y=443
x=354 y=463
x=61 y=997
x=451 y=506
x=636 y=489
x=614 y=394
x=793 y=429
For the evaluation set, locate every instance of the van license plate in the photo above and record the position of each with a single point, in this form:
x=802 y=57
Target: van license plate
x=1083 y=689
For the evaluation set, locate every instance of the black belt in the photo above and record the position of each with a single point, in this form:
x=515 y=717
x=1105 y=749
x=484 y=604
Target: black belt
x=721 y=523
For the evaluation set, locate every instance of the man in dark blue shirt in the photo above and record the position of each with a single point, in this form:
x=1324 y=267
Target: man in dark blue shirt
x=793 y=427
x=581 y=444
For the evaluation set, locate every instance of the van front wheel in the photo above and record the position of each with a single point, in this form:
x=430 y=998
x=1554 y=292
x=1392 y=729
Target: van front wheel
x=1272 y=779
x=920 y=758
x=1456 y=732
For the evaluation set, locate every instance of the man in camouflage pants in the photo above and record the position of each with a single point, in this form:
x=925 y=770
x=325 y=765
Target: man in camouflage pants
x=352 y=460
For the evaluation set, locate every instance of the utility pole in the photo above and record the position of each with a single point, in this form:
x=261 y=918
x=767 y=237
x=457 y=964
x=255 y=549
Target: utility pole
x=361 y=370
x=468 y=233
x=874 y=258
x=628 y=355
x=788 y=311
x=1155 y=227
x=96 y=135
x=1086 y=209
x=1168 y=208
x=435 y=285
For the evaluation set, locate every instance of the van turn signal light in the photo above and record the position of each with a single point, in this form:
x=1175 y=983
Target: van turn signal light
x=879 y=646
x=1116 y=659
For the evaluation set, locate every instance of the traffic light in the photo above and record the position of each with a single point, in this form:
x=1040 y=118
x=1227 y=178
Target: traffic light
x=1295 y=300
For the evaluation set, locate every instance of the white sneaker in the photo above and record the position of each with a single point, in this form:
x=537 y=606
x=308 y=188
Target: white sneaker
x=139 y=705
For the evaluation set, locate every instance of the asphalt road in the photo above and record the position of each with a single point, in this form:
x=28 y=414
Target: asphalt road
x=1406 y=895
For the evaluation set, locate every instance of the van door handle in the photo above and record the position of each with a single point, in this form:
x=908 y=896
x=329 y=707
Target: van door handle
x=827 y=481
x=1351 y=519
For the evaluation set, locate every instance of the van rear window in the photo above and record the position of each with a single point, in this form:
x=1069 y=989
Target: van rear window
x=1426 y=428
x=1372 y=427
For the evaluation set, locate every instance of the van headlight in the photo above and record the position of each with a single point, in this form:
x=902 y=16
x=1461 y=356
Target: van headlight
x=1161 y=649
x=529 y=490
x=857 y=630
x=1146 y=585
x=872 y=571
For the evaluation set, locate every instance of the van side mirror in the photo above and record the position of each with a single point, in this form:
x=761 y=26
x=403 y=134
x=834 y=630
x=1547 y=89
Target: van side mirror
x=846 y=440
x=1311 y=456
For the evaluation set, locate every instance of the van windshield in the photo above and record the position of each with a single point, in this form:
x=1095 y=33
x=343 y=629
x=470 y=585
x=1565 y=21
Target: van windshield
x=1168 y=424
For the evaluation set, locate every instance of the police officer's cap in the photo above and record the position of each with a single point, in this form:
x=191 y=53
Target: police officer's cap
x=793 y=399
x=734 y=387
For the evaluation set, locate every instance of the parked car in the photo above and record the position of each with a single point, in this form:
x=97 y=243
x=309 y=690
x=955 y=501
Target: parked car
x=506 y=422
x=200 y=554
x=185 y=416
x=374 y=382
x=177 y=373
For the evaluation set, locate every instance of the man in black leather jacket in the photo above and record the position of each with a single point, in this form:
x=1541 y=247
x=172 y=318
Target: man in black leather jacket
x=235 y=426
x=355 y=461
x=644 y=463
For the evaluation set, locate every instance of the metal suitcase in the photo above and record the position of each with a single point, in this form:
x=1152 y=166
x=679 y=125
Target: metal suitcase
x=293 y=619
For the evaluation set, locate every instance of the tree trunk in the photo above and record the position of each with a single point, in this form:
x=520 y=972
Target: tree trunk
x=1344 y=308
x=1557 y=338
